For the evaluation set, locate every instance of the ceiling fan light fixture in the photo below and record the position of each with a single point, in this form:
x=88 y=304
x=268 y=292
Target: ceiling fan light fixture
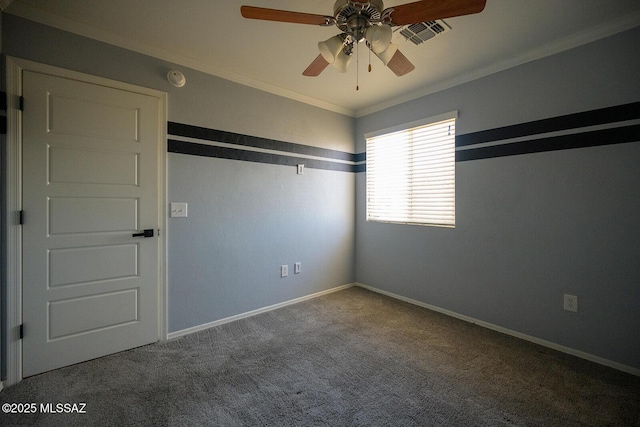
x=342 y=62
x=361 y=20
x=379 y=37
x=331 y=48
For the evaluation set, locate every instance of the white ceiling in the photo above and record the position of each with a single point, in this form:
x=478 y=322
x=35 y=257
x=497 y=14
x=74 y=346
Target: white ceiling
x=211 y=36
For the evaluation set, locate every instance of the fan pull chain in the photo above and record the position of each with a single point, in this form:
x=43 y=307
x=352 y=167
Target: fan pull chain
x=357 y=66
x=369 y=49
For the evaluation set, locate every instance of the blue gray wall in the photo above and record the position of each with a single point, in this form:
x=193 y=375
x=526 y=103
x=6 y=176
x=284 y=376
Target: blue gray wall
x=529 y=227
x=246 y=218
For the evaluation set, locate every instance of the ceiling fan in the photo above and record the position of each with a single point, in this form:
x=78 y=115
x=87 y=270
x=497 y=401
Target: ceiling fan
x=366 y=21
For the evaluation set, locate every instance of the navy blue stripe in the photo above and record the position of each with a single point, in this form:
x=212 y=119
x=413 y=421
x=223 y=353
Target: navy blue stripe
x=181 y=129
x=204 y=150
x=571 y=121
x=618 y=135
x=360 y=157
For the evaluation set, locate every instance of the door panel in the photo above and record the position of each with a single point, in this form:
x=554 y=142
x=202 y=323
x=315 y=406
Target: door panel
x=92 y=167
x=90 y=265
x=92 y=313
x=92 y=215
x=75 y=116
x=90 y=181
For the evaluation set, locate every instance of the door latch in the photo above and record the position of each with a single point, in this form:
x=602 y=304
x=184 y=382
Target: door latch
x=146 y=233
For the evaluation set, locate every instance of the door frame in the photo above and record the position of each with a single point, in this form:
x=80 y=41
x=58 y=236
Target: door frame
x=14 y=69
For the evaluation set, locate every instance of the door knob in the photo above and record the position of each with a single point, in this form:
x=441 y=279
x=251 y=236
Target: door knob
x=146 y=233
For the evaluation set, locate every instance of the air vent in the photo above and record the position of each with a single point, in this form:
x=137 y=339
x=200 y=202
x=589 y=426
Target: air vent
x=423 y=31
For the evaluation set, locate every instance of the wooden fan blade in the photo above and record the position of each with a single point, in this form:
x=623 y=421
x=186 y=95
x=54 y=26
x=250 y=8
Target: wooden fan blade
x=431 y=10
x=400 y=65
x=317 y=66
x=282 y=16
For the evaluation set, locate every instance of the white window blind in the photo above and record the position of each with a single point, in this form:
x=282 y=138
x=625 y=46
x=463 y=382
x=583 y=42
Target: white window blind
x=411 y=173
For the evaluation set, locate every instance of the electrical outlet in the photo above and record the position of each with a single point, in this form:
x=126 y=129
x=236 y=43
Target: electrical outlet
x=297 y=268
x=284 y=270
x=571 y=303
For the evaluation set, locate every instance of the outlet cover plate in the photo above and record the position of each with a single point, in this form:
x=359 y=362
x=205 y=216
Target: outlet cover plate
x=571 y=303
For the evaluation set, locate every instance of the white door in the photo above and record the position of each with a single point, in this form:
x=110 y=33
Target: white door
x=90 y=181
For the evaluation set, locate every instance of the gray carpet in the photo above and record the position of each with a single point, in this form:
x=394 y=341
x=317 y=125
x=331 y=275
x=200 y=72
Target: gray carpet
x=345 y=359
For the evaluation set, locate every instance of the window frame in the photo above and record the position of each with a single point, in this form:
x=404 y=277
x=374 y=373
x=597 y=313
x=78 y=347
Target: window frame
x=452 y=115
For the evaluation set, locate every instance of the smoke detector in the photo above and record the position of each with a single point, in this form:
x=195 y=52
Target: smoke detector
x=176 y=78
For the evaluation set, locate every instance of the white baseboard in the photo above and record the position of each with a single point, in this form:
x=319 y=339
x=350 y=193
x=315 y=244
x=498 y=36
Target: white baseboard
x=197 y=328
x=549 y=344
x=545 y=343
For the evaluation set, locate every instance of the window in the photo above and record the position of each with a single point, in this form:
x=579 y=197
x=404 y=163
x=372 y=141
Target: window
x=411 y=173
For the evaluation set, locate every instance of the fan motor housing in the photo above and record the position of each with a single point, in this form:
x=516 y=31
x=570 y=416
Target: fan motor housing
x=352 y=16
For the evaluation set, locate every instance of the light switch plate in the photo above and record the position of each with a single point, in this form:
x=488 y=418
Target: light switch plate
x=178 y=210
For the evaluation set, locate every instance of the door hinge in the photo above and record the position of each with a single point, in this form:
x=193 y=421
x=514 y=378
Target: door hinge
x=3 y=119
x=22 y=331
x=4 y=102
x=21 y=218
